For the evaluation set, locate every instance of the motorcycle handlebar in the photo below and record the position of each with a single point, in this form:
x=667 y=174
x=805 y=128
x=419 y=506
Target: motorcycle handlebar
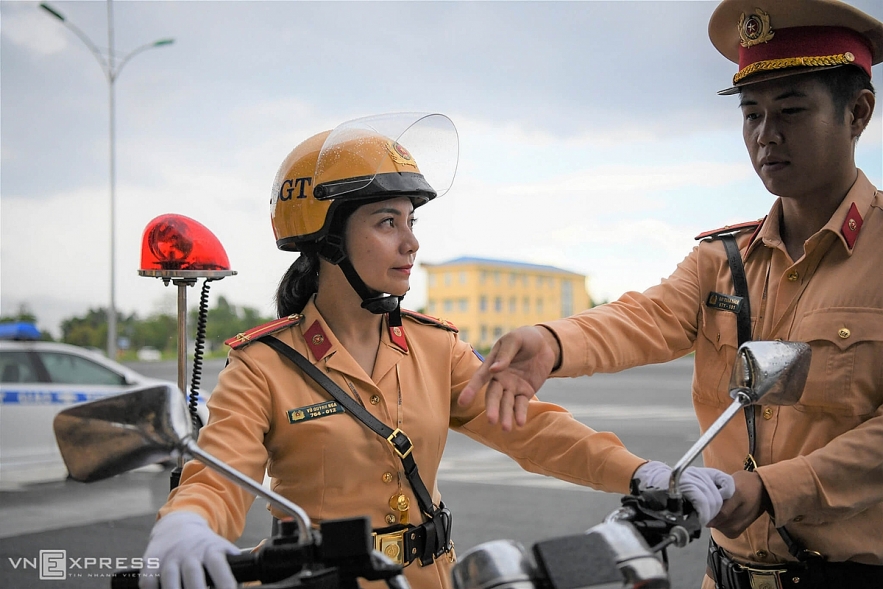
x=244 y=566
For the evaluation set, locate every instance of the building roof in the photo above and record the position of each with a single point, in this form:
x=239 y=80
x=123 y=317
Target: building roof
x=464 y=261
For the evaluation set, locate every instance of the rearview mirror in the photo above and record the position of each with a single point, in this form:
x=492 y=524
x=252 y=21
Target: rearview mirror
x=773 y=371
x=102 y=438
x=770 y=370
x=116 y=434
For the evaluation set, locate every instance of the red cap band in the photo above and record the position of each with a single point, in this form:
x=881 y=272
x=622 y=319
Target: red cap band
x=804 y=42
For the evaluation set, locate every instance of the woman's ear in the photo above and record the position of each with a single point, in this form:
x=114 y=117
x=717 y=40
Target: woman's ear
x=860 y=111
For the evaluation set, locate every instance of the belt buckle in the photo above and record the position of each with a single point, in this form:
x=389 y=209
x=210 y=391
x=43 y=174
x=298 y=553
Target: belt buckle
x=764 y=578
x=392 y=545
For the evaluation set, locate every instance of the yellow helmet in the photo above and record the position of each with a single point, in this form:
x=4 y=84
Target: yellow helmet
x=360 y=161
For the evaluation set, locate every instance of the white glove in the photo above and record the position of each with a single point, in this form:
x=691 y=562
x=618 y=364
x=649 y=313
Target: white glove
x=705 y=488
x=183 y=543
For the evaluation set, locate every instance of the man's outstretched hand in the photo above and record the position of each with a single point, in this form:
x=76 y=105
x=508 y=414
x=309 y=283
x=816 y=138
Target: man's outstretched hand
x=514 y=371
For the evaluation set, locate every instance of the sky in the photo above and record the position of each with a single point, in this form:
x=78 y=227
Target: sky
x=591 y=137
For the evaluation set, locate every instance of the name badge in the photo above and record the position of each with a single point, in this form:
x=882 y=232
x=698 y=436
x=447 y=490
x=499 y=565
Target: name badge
x=314 y=411
x=724 y=302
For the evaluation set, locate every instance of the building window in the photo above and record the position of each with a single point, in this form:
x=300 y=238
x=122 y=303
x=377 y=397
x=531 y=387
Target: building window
x=513 y=277
x=498 y=304
x=482 y=276
x=513 y=305
x=525 y=305
x=483 y=334
x=464 y=335
x=566 y=298
x=498 y=332
x=496 y=277
x=463 y=305
x=462 y=277
x=539 y=306
x=482 y=304
x=449 y=305
x=539 y=282
x=447 y=279
x=432 y=279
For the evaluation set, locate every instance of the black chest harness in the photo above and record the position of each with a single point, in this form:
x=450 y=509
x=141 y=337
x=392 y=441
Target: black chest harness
x=403 y=543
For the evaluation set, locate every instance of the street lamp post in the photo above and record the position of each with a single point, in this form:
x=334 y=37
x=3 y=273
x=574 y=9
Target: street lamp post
x=111 y=65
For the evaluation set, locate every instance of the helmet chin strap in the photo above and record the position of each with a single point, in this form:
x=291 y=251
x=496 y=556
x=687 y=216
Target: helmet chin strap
x=373 y=301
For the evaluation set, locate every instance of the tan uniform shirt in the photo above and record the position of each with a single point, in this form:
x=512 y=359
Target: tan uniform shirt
x=820 y=460
x=334 y=466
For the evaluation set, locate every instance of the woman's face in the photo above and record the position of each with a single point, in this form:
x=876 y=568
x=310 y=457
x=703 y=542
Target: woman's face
x=381 y=245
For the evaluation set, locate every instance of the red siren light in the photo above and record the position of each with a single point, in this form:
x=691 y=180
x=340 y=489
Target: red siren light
x=175 y=246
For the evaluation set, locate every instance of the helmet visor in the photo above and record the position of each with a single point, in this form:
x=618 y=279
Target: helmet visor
x=411 y=154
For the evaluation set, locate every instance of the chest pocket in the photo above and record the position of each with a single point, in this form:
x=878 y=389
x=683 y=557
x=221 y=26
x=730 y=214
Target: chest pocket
x=846 y=374
x=715 y=352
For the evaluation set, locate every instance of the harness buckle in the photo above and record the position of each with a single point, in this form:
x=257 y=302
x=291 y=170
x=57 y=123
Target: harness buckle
x=763 y=578
x=397 y=446
x=392 y=545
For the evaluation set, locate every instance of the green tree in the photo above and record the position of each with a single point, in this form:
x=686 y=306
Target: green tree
x=89 y=331
x=224 y=321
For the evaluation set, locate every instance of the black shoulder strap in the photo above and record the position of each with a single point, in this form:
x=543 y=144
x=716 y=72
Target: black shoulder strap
x=743 y=331
x=743 y=326
x=740 y=287
x=396 y=438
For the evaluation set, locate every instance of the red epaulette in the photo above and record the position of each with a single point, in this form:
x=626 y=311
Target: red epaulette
x=246 y=337
x=732 y=229
x=427 y=320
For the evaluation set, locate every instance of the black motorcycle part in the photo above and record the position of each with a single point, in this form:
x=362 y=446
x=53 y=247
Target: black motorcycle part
x=571 y=562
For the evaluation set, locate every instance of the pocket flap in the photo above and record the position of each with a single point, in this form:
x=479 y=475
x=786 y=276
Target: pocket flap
x=841 y=326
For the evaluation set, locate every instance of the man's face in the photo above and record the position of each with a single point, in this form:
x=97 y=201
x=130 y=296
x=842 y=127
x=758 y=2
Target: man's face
x=799 y=146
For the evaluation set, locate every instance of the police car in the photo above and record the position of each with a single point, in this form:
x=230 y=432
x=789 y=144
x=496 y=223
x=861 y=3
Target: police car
x=37 y=380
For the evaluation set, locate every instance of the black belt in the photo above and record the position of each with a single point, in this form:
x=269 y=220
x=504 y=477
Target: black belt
x=406 y=543
x=812 y=574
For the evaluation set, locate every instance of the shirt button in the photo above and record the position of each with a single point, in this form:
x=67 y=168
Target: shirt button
x=793 y=276
x=387 y=477
x=843 y=333
x=768 y=413
x=375 y=399
x=761 y=554
x=390 y=518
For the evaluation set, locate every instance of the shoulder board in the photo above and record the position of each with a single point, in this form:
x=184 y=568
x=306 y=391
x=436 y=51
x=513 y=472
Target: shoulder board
x=730 y=229
x=427 y=320
x=246 y=337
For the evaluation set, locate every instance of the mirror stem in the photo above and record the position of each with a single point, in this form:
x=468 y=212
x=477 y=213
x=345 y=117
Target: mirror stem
x=741 y=400
x=276 y=500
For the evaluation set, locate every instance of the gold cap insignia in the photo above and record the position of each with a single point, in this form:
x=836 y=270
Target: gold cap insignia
x=755 y=29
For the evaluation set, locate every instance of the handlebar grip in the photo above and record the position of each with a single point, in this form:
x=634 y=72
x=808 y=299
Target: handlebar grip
x=127 y=579
x=243 y=566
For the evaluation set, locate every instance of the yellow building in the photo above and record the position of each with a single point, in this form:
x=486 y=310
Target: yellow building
x=487 y=298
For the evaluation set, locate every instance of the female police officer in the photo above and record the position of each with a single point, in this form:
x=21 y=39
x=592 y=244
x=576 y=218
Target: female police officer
x=345 y=200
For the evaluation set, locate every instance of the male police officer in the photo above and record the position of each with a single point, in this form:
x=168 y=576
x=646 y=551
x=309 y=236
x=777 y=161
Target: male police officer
x=808 y=508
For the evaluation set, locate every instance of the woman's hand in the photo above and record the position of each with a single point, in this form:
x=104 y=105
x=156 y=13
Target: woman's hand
x=183 y=544
x=514 y=371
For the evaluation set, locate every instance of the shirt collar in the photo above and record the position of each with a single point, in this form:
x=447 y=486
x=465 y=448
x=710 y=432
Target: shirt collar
x=323 y=345
x=845 y=223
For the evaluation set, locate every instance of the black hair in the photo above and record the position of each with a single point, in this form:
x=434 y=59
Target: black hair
x=300 y=282
x=844 y=84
